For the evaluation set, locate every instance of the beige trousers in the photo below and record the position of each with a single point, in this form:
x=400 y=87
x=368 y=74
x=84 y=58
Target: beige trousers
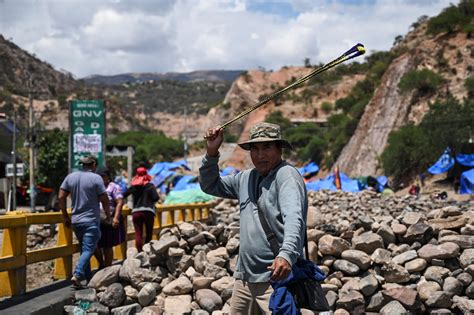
x=250 y=298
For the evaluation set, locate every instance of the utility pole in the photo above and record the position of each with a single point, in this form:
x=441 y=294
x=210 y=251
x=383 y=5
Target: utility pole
x=31 y=133
x=185 y=133
x=14 y=162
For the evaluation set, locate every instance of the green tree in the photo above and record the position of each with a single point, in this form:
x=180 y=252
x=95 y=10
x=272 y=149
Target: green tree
x=52 y=158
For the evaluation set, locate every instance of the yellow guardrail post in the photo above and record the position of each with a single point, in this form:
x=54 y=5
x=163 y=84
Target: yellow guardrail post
x=63 y=265
x=13 y=281
x=14 y=256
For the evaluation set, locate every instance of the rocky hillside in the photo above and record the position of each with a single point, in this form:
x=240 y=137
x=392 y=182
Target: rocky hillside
x=19 y=69
x=450 y=55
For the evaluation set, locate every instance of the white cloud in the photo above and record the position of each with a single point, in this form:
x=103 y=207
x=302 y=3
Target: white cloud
x=106 y=37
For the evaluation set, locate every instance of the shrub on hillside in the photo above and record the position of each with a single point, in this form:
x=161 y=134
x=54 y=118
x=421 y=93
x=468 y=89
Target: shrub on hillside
x=452 y=18
x=425 y=82
x=469 y=84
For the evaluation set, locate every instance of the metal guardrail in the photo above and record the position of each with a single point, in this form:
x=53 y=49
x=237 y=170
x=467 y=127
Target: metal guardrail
x=15 y=257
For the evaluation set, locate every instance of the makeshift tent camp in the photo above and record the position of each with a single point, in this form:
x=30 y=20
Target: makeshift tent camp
x=309 y=168
x=186 y=182
x=467 y=182
x=465 y=159
x=157 y=168
x=444 y=163
x=347 y=184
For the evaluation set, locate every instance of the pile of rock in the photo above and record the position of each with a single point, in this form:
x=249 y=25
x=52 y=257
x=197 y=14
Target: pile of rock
x=40 y=234
x=393 y=255
x=387 y=255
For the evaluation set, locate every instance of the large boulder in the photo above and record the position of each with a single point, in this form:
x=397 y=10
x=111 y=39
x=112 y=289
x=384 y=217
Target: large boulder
x=105 y=277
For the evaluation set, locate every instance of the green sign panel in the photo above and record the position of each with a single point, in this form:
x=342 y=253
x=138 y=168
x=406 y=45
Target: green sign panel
x=87 y=131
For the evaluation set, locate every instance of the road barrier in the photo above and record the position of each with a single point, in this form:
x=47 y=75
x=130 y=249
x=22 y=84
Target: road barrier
x=14 y=256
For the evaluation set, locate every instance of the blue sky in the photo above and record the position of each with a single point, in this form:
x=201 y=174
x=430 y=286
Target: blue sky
x=88 y=37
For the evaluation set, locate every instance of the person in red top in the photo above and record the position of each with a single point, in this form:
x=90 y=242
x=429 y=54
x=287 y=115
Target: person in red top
x=143 y=212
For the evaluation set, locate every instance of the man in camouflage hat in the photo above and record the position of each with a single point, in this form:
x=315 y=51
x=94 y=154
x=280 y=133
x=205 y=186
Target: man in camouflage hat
x=274 y=188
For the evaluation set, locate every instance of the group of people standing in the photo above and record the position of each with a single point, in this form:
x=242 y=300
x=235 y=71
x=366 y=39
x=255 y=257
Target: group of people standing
x=97 y=219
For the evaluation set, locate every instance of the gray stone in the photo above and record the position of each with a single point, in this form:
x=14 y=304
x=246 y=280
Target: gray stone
x=404 y=295
x=436 y=274
x=331 y=298
x=404 y=257
x=113 y=296
x=163 y=244
x=127 y=309
x=367 y=242
x=470 y=291
x=151 y=310
x=360 y=258
x=346 y=266
x=98 y=308
x=88 y=294
x=105 y=277
x=218 y=256
x=129 y=266
x=376 y=302
x=467 y=257
x=381 y=256
x=418 y=232
x=178 y=304
x=232 y=245
x=387 y=234
x=223 y=284
x=442 y=251
x=131 y=292
x=352 y=285
x=180 y=286
x=176 y=252
x=465 y=305
x=351 y=300
x=411 y=218
x=467 y=230
x=464 y=241
x=208 y=300
x=399 y=229
x=142 y=275
x=202 y=283
x=197 y=240
x=331 y=245
x=427 y=288
x=146 y=295
x=368 y=285
x=393 y=307
x=448 y=223
x=215 y=272
x=439 y=299
x=415 y=265
x=200 y=261
x=452 y=286
x=464 y=278
x=395 y=273
x=187 y=229
x=314 y=235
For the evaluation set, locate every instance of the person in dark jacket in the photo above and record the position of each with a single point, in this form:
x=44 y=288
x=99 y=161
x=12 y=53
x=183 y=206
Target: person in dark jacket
x=144 y=199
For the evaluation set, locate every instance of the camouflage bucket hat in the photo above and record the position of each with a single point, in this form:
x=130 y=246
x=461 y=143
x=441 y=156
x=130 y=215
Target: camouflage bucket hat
x=265 y=132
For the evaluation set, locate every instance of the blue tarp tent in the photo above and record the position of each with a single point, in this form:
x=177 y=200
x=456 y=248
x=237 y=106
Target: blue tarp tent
x=465 y=159
x=382 y=181
x=228 y=171
x=444 y=163
x=159 y=167
x=309 y=168
x=347 y=184
x=186 y=183
x=467 y=182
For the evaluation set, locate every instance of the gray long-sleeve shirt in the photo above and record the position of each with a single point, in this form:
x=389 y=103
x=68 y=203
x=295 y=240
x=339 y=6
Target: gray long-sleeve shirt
x=284 y=201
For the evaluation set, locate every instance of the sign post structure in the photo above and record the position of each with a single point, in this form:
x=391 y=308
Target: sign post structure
x=86 y=131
